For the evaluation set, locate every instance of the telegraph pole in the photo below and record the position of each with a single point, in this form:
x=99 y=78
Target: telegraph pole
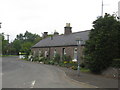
x=0 y=41
x=8 y=38
x=0 y=24
x=102 y=9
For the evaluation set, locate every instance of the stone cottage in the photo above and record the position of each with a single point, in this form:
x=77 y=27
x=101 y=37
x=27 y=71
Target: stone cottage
x=65 y=44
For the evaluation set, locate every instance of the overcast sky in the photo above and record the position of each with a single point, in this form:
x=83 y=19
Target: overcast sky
x=38 y=16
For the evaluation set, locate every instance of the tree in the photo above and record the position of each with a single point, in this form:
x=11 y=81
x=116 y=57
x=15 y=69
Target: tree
x=25 y=47
x=16 y=44
x=23 y=42
x=20 y=37
x=4 y=44
x=104 y=43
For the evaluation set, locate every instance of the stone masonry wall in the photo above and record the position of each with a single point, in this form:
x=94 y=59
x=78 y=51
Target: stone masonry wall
x=68 y=49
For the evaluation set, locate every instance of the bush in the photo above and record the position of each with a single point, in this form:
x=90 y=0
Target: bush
x=74 y=67
x=46 y=62
x=66 y=58
x=57 y=58
x=116 y=63
x=41 y=59
x=65 y=62
x=61 y=63
x=35 y=58
x=51 y=62
x=82 y=65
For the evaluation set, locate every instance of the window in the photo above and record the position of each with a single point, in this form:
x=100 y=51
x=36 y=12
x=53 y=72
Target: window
x=63 y=51
x=46 y=53
x=39 y=53
x=75 y=53
x=55 y=52
x=34 y=53
x=78 y=42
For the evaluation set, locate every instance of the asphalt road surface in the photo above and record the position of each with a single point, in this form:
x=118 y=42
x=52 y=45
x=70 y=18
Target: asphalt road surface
x=18 y=73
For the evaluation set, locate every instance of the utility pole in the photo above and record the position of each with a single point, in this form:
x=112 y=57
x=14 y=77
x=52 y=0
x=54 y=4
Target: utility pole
x=0 y=24
x=0 y=41
x=102 y=9
x=8 y=38
x=118 y=11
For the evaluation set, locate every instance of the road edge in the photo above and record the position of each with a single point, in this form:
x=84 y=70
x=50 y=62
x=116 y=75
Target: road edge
x=77 y=82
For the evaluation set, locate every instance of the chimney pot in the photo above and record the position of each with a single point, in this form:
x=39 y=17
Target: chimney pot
x=45 y=34
x=67 y=24
x=56 y=33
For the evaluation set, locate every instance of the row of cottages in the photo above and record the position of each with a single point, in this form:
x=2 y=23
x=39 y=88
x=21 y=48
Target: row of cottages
x=65 y=44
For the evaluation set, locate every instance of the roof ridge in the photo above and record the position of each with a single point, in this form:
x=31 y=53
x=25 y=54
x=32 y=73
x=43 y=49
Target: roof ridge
x=72 y=33
x=64 y=34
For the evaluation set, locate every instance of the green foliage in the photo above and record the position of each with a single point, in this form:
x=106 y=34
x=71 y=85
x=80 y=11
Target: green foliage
x=57 y=58
x=74 y=67
x=82 y=65
x=35 y=58
x=84 y=70
x=22 y=42
x=103 y=45
x=66 y=58
x=17 y=45
x=25 y=47
x=51 y=62
x=61 y=63
x=116 y=63
x=5 y=44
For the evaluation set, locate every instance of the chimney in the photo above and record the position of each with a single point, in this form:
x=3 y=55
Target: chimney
x=67 y=29
x=45 y=34
x=56 y=33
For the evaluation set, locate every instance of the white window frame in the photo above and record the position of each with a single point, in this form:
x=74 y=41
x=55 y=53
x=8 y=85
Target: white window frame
x=46 y=53
x=55 y=51
x=75 y=53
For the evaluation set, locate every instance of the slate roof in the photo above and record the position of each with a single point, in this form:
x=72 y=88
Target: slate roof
x=62 y=40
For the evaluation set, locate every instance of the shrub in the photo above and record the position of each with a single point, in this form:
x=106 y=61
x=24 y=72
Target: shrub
x=51 y=62
x=116 y=63
x=57 y=58
x=41 y=59
x=82 y=65
x=66 y=58
x=74 y=67
x=61 y=63
x=65 y=62
x=35 y=58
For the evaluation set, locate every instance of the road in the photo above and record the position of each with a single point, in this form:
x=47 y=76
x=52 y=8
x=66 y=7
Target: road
x=18 y=73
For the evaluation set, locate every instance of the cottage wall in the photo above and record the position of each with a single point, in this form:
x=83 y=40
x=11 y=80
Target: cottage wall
x=69 y=50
